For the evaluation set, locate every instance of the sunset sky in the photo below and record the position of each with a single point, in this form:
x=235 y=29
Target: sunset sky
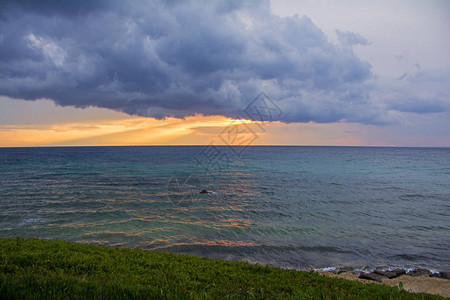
x=374 y=73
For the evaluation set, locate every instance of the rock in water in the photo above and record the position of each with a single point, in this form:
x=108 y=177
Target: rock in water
x=204 y=192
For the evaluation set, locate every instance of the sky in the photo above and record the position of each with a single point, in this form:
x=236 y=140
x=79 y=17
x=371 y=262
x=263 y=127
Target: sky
x=354 y=73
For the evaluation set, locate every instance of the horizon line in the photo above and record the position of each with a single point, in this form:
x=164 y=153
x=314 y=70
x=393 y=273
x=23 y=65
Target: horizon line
x=221 y=145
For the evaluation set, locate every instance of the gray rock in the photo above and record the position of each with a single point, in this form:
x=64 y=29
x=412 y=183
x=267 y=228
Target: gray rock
x=345 y=269
x=441 y=274
x=390 y=274
x=341 y=270
x=372 y=276
x=436 y=275
x=399 y=272
x=419 y=272
x=444 y=274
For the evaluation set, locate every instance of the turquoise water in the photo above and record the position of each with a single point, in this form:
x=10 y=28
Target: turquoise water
x=295 y=207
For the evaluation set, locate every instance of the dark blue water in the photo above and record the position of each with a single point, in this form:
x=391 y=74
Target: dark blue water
x=294 y=207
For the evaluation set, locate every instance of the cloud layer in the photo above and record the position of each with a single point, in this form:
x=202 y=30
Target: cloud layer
x=175 y=59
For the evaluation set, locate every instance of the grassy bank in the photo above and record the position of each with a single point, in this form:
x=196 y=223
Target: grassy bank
x=32 y=268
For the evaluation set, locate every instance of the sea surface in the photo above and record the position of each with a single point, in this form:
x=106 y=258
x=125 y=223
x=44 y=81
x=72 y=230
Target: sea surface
x=293 y=207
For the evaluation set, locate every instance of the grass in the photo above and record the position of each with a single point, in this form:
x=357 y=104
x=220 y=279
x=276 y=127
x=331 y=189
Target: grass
x=41 y=269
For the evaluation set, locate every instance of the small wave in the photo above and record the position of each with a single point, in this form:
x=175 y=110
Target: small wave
x=30 y=221
x=412 y=196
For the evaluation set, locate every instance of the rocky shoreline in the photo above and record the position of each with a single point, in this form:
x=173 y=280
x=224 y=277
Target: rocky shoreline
x=415 y=280
x=379 y=274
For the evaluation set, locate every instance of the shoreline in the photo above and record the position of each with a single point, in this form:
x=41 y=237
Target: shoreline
x=434 y=281
x=420 y=283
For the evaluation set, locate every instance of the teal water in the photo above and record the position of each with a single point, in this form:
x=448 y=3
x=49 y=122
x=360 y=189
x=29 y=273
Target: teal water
x=295 y=207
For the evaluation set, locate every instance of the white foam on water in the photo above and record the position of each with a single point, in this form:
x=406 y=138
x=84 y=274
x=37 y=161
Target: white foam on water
x=30 y=221
x=326 y=269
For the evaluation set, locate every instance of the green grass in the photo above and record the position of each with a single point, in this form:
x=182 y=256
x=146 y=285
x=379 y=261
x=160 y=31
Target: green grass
x=41 y=269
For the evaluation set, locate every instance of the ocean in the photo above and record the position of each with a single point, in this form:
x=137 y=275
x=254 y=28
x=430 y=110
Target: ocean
x=293 y=207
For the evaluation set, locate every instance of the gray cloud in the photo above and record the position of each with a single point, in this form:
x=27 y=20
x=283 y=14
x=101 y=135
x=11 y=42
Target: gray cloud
x=416 y=91
x=175 y=58
x=350 y=38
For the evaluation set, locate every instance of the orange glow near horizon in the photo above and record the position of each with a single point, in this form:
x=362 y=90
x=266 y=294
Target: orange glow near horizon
x=195 y=130
x=126 y=131
x=42 y=123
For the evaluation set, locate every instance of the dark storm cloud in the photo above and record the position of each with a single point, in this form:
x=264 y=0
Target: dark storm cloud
x=177 y=58
x=50 y=7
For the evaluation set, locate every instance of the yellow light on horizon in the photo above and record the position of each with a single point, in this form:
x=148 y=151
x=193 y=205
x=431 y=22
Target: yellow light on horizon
x=124 y=131
x=42 y=123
